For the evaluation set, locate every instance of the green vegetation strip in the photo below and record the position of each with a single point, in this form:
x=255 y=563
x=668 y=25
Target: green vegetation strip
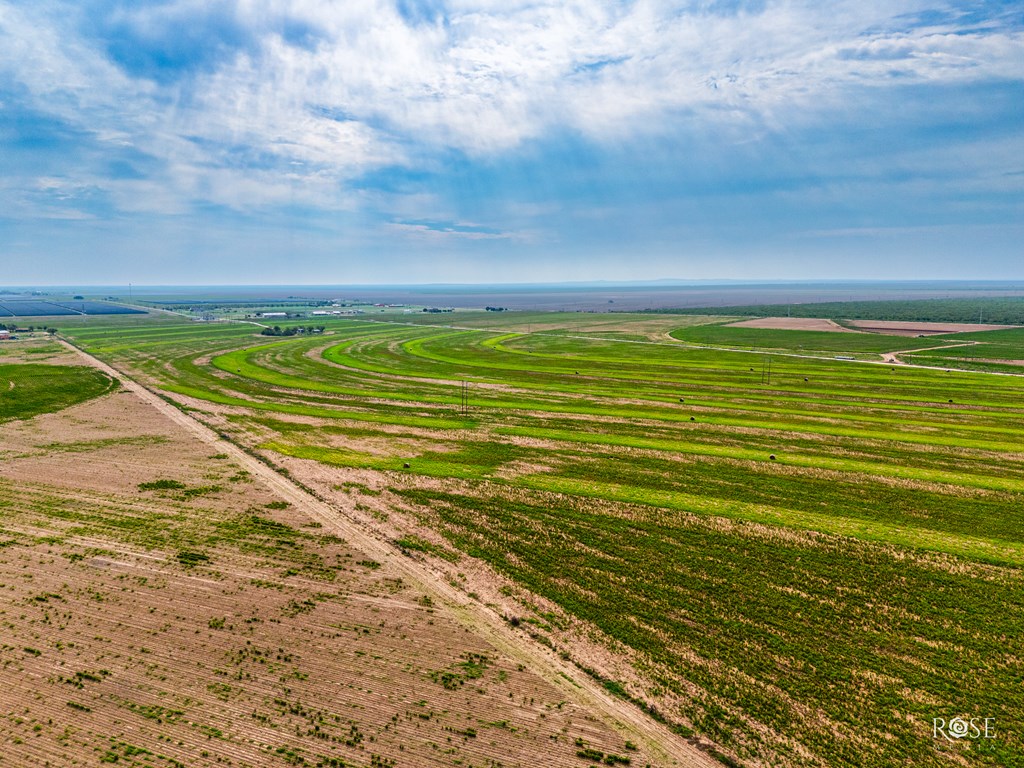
x=794 y=459
x=978 y=548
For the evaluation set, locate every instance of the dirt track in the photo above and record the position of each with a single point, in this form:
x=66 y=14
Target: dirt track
x=894 y=357
x=571 y=682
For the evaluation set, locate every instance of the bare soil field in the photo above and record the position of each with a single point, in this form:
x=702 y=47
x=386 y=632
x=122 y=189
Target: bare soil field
x=906 y=328
x=164 y=606
x=793 y=324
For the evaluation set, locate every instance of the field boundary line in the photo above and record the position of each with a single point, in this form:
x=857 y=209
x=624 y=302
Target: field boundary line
x=570 y=681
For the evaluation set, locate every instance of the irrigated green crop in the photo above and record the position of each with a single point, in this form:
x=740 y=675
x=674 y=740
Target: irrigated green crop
x=808 y=564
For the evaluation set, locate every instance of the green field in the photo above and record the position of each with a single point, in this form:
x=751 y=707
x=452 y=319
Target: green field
x=805 y=571
x=28 y=389
x=989 y=350
x=800 y=341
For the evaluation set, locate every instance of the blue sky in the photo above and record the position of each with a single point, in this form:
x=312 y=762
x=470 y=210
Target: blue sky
x=370 y=141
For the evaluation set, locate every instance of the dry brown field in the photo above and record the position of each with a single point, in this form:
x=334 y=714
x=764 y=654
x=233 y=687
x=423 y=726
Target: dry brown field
x=211 y=620
x=793 y=324
x=908 y=328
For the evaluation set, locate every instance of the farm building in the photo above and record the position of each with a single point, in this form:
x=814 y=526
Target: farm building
x=5 y=334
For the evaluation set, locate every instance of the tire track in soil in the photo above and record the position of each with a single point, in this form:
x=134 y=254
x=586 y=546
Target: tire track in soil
x=572 y=683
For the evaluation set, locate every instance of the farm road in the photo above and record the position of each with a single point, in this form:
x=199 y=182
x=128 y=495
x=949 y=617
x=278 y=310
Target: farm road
x=893 y=357
x=573 y=684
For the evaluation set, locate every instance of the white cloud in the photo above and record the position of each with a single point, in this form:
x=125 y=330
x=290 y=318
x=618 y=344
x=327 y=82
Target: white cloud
x=451 y=232
x=497 y=75
x=367 y=87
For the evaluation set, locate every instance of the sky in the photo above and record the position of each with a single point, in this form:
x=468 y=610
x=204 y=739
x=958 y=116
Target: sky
x=375 y=141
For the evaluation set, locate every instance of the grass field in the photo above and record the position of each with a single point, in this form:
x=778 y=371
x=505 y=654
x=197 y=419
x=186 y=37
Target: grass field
x=27 y=389
x=799 y=341
x=990 y=350
x=801 y=571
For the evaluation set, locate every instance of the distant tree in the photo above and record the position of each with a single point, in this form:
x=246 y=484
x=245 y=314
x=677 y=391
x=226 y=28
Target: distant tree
x=78 y=298
x=51 y=331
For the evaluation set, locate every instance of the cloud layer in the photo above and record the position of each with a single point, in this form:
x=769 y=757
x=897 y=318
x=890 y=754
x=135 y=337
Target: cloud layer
x=376 y=111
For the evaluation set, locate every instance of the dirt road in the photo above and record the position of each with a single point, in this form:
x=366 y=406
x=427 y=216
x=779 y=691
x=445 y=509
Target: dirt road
x=893 y=357
x=574 y=685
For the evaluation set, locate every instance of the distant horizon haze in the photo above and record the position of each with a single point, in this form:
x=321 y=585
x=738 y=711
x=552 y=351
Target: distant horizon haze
x=575 y=296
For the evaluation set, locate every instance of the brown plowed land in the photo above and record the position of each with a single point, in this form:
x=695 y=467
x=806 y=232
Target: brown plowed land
x=198 y=626
x=908 y=328
x=793 y=324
